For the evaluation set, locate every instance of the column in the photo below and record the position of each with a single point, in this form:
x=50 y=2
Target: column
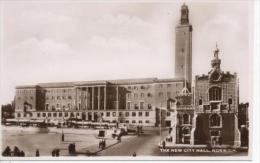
x=117 y=100
x=93 y=91
x=98 y=98
x=105 y=97
x=76 y=96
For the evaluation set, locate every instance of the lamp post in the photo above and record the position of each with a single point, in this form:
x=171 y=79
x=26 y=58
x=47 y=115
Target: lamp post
x=62 y=134
x=161 y=121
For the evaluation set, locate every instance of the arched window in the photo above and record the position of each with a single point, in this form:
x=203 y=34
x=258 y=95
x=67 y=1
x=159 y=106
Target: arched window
x=186 y=119
x=215 y=120
x=215 y=94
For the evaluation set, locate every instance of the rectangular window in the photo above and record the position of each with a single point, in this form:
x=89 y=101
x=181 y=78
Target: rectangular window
x=66 y=114
x=147 y=114
x=160 y=94
x=60 y=114
x=141 y=105
x=120 y=114
x=133 y=114
x=136 y=106
x=147 y=121
x=140 y=121
x=49 y=114
x=128 y=105
x=127 y=121
x=38 y=114
x=133 y=121
x=127 y=114
x=108 y=114
x=44 y=114
x=54 y=114
x=140 y=114
x=149 y=106
x=114 y=114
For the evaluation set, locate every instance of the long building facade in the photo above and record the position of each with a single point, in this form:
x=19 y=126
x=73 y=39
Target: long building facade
x=133 y=101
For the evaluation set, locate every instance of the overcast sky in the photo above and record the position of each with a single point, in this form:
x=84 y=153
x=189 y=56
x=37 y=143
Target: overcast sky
x=74 y=41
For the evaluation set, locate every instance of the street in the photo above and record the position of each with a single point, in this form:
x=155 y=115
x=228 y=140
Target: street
x=144 y=145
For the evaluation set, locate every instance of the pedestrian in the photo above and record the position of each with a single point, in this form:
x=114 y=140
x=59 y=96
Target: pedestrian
x=73 y=148
x=37 y=153
x=104 y=144
x=57 y=152
x=69 y=148
x=22 y=154
x=53 y=153
x=99 y=145
x=134 y=154
x=163 y=144
x=7 y=151
x=62 y=137
x=16 y=151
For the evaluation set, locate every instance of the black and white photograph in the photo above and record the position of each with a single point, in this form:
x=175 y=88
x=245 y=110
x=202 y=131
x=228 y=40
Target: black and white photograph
x=152 y=80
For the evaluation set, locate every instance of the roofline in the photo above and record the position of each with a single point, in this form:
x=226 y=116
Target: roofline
x=102 y=82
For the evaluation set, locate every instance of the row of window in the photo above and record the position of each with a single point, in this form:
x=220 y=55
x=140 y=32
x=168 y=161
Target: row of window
x=59 y=97
x=148 y=86
x=139 y=121
x=59 y=90
x=25 y=97
x=25 y=91
x=136 y=106
x=129 y=95
x=67 y=114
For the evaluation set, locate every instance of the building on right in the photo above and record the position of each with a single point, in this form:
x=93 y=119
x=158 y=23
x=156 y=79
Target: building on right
x=209 y=114
x=216 y=107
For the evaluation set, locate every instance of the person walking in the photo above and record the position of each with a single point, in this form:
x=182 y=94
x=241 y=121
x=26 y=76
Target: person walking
x=16 y=151
x=134 y=154
x=53 y=153
x=7 y=151
x=163 y=144
x=22 y=154
x=57 y=152
x=70 y=148
x=37 y=153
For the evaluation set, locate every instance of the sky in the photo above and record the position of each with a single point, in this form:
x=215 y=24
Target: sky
x=61 y=41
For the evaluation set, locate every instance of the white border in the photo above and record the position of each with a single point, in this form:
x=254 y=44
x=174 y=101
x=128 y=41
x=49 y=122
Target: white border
x=254 y=105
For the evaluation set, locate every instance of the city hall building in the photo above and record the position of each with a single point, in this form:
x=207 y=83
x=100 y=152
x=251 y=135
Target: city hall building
x=203 y=114
x=134 y=101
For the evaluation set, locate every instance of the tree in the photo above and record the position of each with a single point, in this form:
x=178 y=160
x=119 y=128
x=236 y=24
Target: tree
x=7 y=111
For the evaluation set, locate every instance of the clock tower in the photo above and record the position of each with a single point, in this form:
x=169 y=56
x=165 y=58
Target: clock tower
x=215 y=75
x=183 y=47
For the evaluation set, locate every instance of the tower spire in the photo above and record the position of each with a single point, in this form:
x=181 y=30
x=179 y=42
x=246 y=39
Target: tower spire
x=184 y=14
x=215 y=62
